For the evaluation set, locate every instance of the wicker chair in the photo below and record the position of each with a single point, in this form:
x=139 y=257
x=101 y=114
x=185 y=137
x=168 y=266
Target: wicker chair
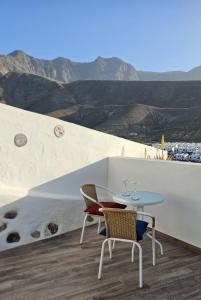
x=89 y=193
x=121 y=226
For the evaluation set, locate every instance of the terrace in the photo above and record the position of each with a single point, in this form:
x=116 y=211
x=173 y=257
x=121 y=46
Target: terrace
x=40 y=182
x=59 y=268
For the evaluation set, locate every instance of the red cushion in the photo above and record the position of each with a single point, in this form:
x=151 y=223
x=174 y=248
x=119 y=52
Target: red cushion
x=94 y=209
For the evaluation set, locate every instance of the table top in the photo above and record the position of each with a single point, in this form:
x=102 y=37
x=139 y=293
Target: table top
x=144 y=198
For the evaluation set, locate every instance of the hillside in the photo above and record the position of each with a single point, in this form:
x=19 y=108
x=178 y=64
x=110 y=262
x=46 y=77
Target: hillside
x=137 y=110
x=193 y=74
x=63 y=69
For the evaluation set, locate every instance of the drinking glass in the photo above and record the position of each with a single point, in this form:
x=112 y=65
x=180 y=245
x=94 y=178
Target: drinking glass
x=134 y=190
x=125 y=187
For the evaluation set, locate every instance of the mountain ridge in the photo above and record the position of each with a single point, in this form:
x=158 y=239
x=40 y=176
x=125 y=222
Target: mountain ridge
x=65 y=70
x=136 y=110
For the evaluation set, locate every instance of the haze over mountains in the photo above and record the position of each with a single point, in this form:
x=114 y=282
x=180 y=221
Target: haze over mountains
x=137 y=110
x=65 y=70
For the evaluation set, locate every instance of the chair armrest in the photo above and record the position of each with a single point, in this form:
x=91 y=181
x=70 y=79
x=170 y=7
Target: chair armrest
x=90 y=198
x=142 y=213
x=104 y=188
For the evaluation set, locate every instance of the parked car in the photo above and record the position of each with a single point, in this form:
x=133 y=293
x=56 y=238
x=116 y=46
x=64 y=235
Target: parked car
x=195 y=157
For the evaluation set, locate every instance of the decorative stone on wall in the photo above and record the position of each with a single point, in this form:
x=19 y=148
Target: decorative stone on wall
x=51 y=229
x=90 y=219
x=12 y=214
x=13 y=237
x=20 y=140
x=12 y=232
x=35 y=234
x=59 y=131
x=3 y=226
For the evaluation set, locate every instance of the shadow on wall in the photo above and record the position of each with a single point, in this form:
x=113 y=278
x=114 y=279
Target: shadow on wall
x=52 y=208
x=70 y=183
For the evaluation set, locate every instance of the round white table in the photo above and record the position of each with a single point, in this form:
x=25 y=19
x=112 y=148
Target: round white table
x=144 y=198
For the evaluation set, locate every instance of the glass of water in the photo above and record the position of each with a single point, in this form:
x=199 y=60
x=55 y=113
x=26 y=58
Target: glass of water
x=125 y=188
x=134 y=195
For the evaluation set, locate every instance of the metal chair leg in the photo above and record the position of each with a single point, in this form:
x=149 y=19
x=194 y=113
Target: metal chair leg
x=153 y=247
x=133 y=252
x=83 y=228
x=99 y=225
x=160 y=245
x=110 y=248
x=140 y=266
x=157 y=242
x=109 y=240
x=101 y=259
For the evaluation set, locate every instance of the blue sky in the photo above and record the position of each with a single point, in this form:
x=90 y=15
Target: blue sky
x=157 y=35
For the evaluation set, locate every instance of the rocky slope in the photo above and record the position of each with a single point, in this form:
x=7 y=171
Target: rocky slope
x=136 y=110
x=65 y=70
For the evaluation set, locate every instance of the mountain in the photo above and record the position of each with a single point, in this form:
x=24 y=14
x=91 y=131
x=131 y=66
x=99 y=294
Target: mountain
x=65 y=70
x=29 y=91
x=193 y=74
x=62 y=69
x=137 y=110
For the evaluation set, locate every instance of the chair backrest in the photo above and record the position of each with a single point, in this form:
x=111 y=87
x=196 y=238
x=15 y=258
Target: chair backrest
x=89 y=190
x=120 y=223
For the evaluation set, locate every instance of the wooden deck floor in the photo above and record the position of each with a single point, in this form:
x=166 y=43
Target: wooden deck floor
x=60 y=268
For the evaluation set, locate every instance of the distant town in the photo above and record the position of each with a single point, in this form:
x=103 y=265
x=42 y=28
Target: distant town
x=189 y=152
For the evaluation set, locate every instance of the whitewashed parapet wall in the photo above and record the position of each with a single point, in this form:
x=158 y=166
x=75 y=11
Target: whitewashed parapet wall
x=178 y=182
x=46 y=157
x=46 y=173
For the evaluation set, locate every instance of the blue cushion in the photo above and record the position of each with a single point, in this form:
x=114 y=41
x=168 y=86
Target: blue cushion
x=103 y=231
x=141 y=227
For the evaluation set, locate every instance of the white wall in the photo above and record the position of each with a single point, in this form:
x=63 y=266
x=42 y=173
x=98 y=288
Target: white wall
x=180 y=215
x=45 y=175
x=46 y=157
x=57 y=201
